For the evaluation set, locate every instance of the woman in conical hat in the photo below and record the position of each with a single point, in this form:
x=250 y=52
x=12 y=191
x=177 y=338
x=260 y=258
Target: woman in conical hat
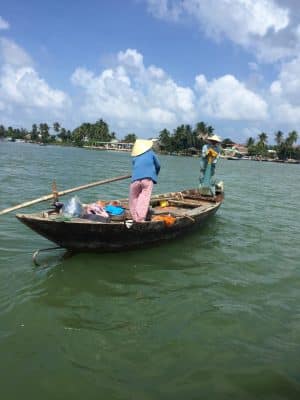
x=215 y=139
x=145 y=169
x=141 y=146
x=212 y=142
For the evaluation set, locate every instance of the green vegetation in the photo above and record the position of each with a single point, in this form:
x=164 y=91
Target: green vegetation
x=183 y=140
x=130 y=138
x=284 y=149
x=86 y=133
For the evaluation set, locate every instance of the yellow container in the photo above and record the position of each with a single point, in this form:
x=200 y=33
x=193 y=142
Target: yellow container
x=164 y=203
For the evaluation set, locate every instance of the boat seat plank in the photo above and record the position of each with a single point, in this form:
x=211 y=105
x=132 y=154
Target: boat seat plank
x=191 y=204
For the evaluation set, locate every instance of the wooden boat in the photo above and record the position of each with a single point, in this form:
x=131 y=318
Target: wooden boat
x=188 y=208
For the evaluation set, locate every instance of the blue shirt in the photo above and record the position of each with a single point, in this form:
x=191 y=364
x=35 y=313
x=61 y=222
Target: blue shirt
x=145 y=165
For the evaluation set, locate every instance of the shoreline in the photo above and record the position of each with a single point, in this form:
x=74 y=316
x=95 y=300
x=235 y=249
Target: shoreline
x=124 y=150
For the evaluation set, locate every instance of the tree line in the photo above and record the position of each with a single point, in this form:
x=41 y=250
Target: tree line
x=285 y=146
x=86 y=132
x=185 y=139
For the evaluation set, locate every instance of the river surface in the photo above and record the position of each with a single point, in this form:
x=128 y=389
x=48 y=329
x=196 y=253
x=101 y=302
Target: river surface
x=214 y=315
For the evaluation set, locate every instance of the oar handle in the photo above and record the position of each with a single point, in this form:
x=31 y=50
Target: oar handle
x=63 y=193
x=26 y=204
x=89 y=185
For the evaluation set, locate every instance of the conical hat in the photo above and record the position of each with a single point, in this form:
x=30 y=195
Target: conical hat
x=141 y=146
x=214 y=138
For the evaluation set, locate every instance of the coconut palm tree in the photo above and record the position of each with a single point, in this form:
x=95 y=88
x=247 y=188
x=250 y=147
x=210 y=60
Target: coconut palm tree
x=130 y=138
x=44 y=131
x=56 y=127
x=279 y=137
x=63 y=134
x=292 y=138
x=250 y=142
x=203 y=130
x=2 y=131
x=263 y=138
x=34 y=133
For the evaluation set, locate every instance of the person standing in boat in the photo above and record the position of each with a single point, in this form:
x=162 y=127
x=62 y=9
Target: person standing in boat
x=213 y=143
x=145 y=170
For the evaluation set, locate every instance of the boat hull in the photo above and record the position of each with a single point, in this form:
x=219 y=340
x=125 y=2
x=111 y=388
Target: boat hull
x=83 y=235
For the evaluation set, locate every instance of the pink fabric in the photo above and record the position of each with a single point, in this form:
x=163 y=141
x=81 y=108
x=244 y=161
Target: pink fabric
x=94 y=208
x=139 y=198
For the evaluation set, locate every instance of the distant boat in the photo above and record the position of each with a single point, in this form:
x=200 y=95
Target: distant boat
x=292 y=161
x=233 y=158
x=174 y=214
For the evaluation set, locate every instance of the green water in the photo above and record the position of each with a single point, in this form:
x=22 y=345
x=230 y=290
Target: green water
x=215 y=315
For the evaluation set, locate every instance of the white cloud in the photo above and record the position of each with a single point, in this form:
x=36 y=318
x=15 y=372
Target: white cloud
x=22 y=90
x=131 y=59
x=287 y=85
x=239 y=20
x=165 y=8
x=285 y=93
x=288 y=113
x=13 y=54
x=155 y=72
x=263 y=27
x=3 y=24
x=227 y=98
x=134 y=94
x=164 y=116
x=24 y=87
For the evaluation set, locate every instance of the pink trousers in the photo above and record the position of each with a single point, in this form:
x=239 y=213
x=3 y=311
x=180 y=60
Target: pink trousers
x=139 y=198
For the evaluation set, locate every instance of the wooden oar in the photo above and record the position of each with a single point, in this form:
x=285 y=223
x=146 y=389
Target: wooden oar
x=64 y=192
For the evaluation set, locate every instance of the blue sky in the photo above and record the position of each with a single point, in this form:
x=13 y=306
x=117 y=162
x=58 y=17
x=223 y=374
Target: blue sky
x=145 y=65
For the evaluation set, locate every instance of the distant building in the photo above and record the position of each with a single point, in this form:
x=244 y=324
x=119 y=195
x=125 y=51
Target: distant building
x=272 y=153
x=114 y=144
x=235 y=150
